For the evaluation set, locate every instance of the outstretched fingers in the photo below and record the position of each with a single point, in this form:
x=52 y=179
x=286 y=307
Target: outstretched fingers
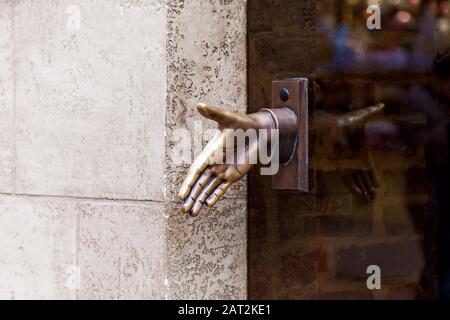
x=194 y=173
x=201 y=200
x=196 y=190
x=350 y=184
x=368 y=183
x=357 y=177
x=199 y=166
x=218 y=193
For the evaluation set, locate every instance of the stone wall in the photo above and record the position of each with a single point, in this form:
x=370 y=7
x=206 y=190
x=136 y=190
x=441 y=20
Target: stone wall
x=90 y=92
x=206 y=57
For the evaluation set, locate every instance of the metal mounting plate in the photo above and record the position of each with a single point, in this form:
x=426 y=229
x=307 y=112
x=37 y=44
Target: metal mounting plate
x=295 y=175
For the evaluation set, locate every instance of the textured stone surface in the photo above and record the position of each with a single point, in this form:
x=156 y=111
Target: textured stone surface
x=54 y=249
x=6 y=98
x=207 y=254
x=90 y=100
x=38 y=246
x=121 y=251
x=206 y=59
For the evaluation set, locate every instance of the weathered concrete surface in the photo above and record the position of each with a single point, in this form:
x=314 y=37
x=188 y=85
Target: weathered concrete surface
x=121 y=251
x=60 y=248
x=95 y=214
x=206 y=62
x=38 y=243
x=90 y=98
x=207 y=255
x=6 y=98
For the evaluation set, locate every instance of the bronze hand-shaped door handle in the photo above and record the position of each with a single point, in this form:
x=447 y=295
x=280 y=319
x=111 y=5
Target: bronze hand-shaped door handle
x=207 y=180
x=209 y=177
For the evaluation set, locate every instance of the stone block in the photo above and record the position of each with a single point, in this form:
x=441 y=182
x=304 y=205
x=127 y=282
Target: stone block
x=6 y=98
x=91 y=96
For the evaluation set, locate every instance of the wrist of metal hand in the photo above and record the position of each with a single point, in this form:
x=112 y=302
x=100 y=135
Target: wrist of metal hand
x=285 y=120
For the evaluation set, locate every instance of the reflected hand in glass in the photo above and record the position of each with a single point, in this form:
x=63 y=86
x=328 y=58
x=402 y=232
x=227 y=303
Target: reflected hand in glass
x=340 y=138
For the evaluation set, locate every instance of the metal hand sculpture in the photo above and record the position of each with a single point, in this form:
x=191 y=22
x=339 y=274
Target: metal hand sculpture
x=209 y=179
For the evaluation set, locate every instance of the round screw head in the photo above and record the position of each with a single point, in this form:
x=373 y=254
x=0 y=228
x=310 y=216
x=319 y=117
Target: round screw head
x=284 y=94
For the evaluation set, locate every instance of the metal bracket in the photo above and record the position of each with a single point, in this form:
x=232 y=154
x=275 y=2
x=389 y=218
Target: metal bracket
x=293 y=93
